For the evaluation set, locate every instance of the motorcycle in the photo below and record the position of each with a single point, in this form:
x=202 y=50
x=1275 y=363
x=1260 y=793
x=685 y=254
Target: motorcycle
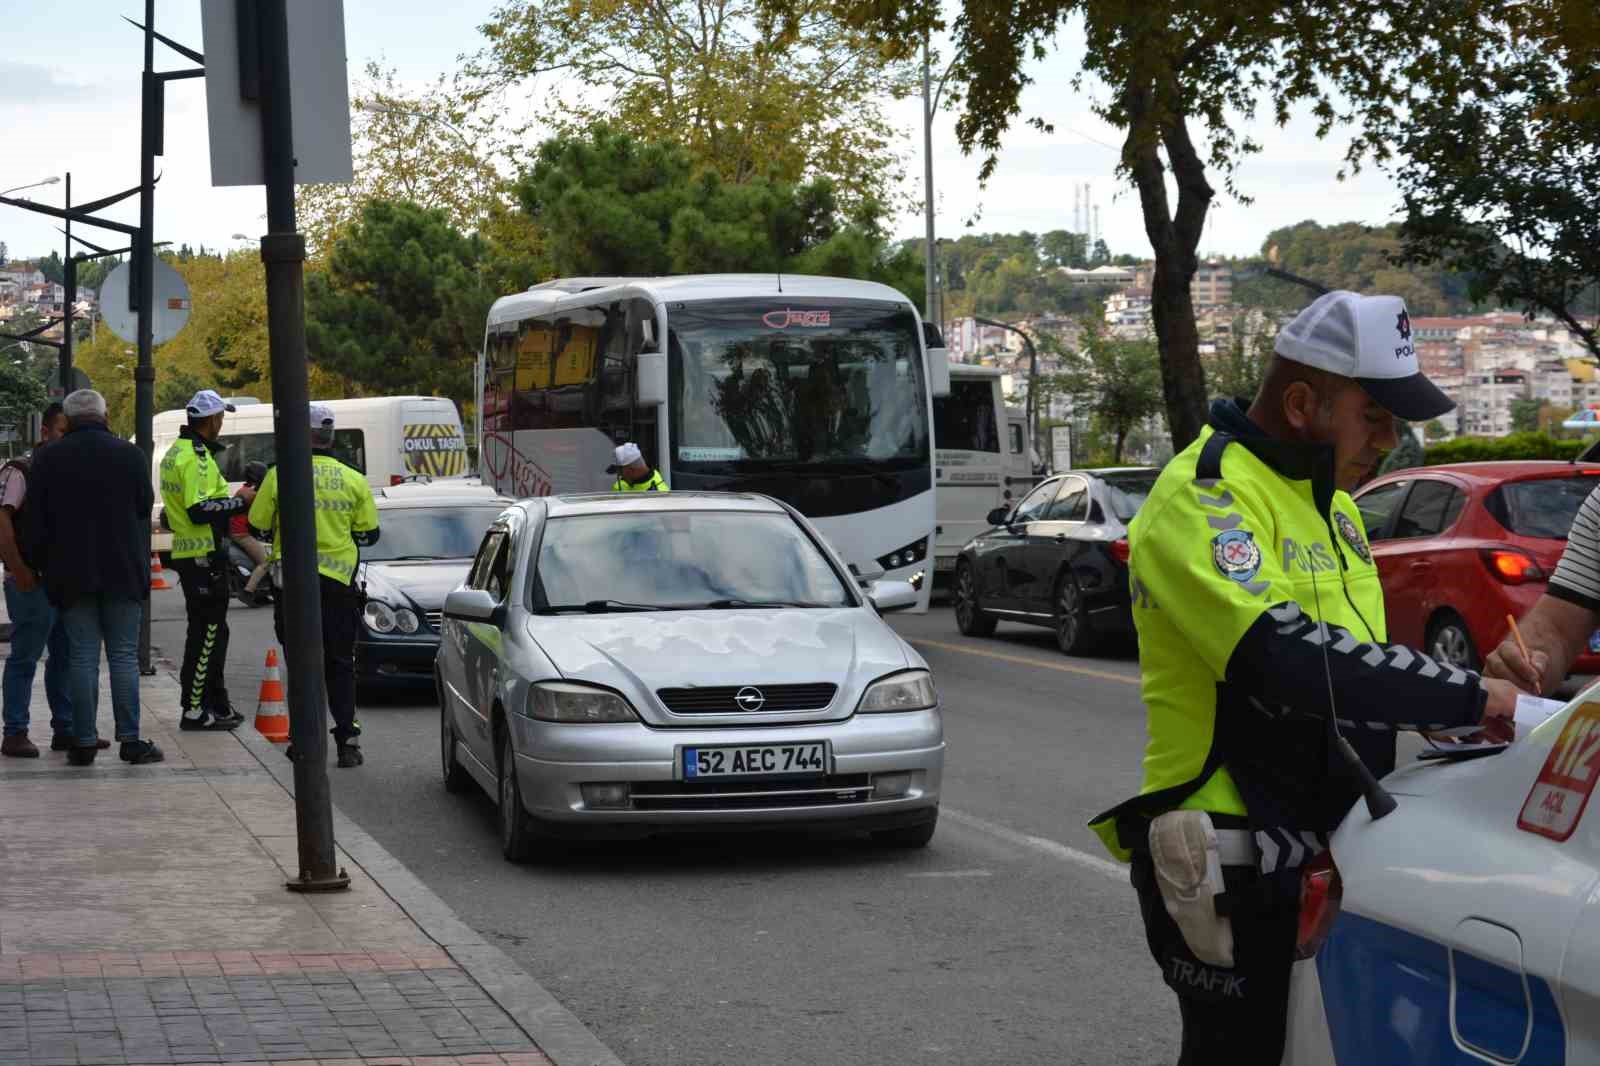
x=240 y=567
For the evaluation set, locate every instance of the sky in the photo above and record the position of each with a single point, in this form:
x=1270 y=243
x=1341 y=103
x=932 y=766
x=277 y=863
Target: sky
x=69 y=102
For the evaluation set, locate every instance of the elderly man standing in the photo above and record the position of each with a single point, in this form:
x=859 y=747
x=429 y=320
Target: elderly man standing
x=85 y=531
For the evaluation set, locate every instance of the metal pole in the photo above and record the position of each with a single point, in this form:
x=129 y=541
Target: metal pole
x=144 y=374
x=284 y=252
x=929 y=297
x=70 y=289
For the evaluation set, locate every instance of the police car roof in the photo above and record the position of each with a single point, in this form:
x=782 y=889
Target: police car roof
x=612 y=502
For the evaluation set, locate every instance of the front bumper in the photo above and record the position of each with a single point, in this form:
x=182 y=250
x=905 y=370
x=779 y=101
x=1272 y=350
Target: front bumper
x=397 y=660
x=555 y=760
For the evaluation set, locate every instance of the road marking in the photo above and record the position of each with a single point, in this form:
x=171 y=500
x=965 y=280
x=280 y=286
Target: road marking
x=1040 y=844
x=1026 y=661
x=954 y=873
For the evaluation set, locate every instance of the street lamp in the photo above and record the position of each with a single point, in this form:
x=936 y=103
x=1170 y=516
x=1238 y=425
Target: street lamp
x=47 y=181
x=930 y=107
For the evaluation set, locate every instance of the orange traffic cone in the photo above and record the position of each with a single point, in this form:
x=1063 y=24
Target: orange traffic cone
x=272 y=713
x=158 y=576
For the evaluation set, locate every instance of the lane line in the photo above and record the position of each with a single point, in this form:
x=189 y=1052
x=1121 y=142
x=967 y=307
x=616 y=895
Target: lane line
x=1040 y=844
x=1065 y=668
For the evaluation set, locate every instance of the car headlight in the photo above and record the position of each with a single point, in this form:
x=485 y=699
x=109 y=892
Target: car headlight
x=379 y=617
x=406 y=620
x=908 y=691
x=561 y=701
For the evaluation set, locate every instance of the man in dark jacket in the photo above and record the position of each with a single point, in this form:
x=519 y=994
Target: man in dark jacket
x=89 y=502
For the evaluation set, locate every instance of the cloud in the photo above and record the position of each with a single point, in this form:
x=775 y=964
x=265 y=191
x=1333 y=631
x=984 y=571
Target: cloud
x=28 y=83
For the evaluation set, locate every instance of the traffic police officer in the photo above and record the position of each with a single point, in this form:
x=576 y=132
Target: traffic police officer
x=197 y=505
x=347 y=520
x=633 y=473
x=1249 y=571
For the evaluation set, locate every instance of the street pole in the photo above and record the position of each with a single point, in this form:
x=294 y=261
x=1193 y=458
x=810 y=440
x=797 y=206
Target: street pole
x=143 y=288
x=69 y=286
x=283 y=250
x=930 y=283
x=1031 y=406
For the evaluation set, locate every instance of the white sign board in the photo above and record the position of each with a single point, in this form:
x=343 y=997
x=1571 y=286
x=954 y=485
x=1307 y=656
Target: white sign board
x=171 y=299
x=1060 y=448
x=318 y=87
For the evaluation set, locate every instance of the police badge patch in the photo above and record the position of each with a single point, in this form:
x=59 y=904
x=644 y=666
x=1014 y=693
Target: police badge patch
x=1236 y=555
x=1352 y=536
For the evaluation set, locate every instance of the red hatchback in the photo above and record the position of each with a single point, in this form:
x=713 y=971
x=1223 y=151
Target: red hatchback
x=1460 y=547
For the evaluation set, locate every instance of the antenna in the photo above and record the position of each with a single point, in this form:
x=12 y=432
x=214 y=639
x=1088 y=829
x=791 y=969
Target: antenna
x=1379 y=802
x=1077 y=208
x=1097 y=235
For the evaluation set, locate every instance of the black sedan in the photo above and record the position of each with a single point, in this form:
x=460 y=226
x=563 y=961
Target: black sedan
x=1059 y=559
x=428 y=534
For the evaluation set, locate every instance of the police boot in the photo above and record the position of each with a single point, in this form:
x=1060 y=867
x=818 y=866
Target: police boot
x=349 y=754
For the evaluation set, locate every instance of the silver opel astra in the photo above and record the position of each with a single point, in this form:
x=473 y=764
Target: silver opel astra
x=621 y=665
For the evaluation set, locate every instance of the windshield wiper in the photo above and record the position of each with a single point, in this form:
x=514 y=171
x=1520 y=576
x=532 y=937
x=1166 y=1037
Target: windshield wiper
x=406 y=558
x=600 y=607
x=724 y=605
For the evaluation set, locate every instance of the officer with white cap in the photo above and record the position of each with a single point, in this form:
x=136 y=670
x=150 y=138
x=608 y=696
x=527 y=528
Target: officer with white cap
x=633 y=473
x=347 y=520
x=1261 y=625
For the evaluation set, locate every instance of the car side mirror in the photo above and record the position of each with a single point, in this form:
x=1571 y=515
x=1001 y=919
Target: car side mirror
x=998 y=516
x=474 y=605
x=889 y=596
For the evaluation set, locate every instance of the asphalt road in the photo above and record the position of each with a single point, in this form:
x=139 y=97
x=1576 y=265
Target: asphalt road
x=1006 y=940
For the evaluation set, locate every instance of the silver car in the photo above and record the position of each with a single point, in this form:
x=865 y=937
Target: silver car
x=621 y=665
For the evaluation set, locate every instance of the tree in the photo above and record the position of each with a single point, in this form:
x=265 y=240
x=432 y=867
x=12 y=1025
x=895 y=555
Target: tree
x=21 y=393
x=401 y=305
x=1434 y=431
x=1525 y=415
x=1180 y=79
x=1501 y=181
x=1236 y=371
x=1063 y=248
x=1101 y=255
x=1117 y=381
x=607 y=203
x=745 y=91
x=1405 y=455
x=52 y=268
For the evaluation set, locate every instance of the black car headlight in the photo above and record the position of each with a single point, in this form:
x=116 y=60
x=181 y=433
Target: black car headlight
x=914 y=552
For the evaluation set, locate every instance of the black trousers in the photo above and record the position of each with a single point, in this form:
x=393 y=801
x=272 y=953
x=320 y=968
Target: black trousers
x=205 y=650
x=341 y=614
x=1237 y=1016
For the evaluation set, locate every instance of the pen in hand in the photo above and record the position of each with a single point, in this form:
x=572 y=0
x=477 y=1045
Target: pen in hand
x=1516 y=634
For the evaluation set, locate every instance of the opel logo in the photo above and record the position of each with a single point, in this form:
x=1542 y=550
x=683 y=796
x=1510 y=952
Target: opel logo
x=750 y=698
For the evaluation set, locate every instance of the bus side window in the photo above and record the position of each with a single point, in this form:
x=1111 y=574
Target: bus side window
x=1016 y=438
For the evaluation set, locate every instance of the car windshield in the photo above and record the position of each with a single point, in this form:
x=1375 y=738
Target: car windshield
x=682 y=559
x=763 y=382
x=1541 y=508
x=1127 y=492
x=442 y=531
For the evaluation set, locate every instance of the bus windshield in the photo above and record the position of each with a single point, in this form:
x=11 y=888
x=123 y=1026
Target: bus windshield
x=761 y=383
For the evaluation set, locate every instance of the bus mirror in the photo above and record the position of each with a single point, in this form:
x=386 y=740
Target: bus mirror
x=939 y=371
x=651 y=379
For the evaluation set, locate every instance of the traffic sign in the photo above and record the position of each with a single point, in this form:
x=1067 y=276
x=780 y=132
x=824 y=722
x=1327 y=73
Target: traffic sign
x=1060 y=448
x=171 y=300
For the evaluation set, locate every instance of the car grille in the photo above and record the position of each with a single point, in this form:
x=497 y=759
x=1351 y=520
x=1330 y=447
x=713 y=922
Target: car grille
x=833 y=791
x=436 y=621
x=723 y=699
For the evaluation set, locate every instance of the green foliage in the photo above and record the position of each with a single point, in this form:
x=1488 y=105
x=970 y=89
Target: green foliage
x=52 y=268
x=1235 y=372
x=1118 y=382
x=1515 y=446
x=1346 y=255
x=401 y=305
x=176 y=387
x=1525 y=415
x=608 y=203
x=21 y=393
x=1405 y=455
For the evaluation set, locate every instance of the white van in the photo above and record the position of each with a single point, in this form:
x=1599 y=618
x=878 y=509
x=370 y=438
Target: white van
x=388 y=438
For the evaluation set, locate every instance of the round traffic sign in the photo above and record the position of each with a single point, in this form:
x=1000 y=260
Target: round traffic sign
x=171 y=303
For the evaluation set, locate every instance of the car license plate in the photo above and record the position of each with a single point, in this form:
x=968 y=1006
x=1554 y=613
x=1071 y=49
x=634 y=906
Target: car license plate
x=945 y=562
x=759 y=760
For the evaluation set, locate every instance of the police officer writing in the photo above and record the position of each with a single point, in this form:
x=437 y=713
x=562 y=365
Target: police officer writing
x=198 y=507
x=1249 y=570
x=633 y=473
x=347 y=520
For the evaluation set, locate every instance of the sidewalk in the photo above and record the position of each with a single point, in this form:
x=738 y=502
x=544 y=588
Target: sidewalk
x=144 y=920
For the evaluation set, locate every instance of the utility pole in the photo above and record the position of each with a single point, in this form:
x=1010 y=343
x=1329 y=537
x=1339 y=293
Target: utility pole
x=142 y=290
x=69 y=286
x=283 y=250
x=1033 y=372
x=930 y=282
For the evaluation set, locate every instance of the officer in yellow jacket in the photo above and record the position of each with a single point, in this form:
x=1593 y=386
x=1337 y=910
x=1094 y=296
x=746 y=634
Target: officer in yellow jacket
x=633 y=473
x=197 y=506
x=1248 y=563
x=347 y=520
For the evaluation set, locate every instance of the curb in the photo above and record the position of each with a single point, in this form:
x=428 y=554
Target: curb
x=558 y=1032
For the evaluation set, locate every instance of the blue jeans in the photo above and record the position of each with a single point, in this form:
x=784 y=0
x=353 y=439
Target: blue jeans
x=34 y=626
x=91 y=619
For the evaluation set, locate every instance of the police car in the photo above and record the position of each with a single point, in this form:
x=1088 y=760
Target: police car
x=1464 y=927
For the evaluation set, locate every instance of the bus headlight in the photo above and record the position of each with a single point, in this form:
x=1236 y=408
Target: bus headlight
x=914 y=552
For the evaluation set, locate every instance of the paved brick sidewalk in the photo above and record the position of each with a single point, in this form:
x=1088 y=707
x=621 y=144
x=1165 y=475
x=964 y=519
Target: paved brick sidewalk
x=143 y=920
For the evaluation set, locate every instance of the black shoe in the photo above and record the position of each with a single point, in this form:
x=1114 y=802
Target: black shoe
x=81 y=756
x=350 y=755
x=210 y=722
x=229 y=711
x=66 y=742
x=140 y=752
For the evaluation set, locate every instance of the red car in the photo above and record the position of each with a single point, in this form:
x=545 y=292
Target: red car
x=1460 y=547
